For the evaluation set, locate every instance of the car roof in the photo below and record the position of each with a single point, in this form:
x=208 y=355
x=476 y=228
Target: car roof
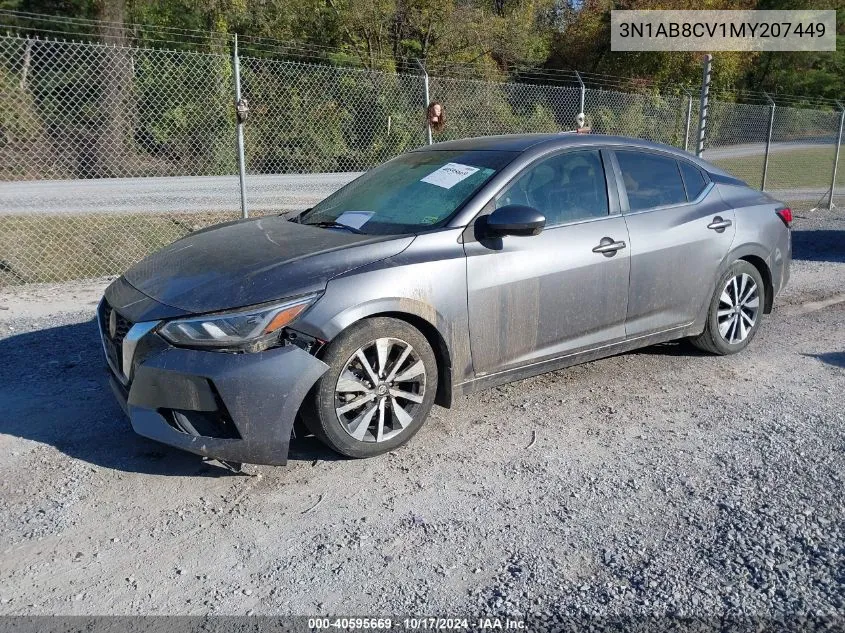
x=526 y=142
x=523 y=142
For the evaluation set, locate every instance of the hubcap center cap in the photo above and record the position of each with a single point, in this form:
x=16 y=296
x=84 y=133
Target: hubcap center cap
x=382 y=389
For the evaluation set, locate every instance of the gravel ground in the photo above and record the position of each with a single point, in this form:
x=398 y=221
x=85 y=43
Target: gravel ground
x=658 y=482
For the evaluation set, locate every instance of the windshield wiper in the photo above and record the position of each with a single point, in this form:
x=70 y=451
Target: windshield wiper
x=297 y=216
x=331 y=224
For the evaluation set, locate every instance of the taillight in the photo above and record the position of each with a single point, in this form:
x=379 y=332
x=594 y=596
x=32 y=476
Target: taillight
x=786 y=216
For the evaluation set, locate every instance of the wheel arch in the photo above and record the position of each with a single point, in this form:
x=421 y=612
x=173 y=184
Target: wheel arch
x=763 y=268
x=420 y=315
x=438 y=346
x=756 y=255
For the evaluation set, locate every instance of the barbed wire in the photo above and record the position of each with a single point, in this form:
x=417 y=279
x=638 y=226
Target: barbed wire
x=98 y=25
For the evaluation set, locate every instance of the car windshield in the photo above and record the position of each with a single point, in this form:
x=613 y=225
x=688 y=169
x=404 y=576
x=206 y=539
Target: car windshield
x=414 y=192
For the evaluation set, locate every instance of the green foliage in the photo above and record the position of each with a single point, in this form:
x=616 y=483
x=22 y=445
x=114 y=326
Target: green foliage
x=184 y=121
x=91 y=113
x=22 y=139
x=320 y=118
x=648 y=115
x=488 y=34
x=818 y=74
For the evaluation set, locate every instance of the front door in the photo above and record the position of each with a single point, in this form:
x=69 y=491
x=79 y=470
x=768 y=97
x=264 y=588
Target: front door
x=557 y=293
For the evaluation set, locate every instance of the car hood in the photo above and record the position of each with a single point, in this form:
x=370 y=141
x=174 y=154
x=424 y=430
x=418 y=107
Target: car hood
x=254 y=261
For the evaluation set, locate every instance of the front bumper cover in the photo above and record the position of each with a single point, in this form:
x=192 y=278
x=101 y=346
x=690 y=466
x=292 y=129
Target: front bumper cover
x=260 y=394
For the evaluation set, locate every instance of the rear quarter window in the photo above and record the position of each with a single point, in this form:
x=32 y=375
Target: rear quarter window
x=693 y=179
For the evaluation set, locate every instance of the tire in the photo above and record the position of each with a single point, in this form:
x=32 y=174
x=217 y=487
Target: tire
x=376 y=425
x=730 y=328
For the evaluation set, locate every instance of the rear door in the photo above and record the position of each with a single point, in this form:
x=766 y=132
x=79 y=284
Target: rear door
x=680 y=230
x=552 y=294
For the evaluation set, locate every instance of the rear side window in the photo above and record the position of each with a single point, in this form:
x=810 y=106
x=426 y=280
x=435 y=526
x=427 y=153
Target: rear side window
x=693 y=179
x=650 y=180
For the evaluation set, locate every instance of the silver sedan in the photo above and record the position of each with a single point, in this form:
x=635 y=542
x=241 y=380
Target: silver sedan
x=446 y=270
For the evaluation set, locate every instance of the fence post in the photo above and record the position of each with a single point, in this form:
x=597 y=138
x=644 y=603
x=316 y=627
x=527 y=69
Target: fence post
x=487 y=86
x=830 y=204
x=583 y=91
x=427 y=100
x=240 y=127
x=768 y=142
x=689 y=118
x=705 y=99
x=27 y=62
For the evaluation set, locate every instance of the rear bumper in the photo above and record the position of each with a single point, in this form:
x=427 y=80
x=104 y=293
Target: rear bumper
x=235 y=407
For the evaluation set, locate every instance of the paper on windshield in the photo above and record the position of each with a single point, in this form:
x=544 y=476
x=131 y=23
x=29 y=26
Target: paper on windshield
x=354 y=219
x=449 y=175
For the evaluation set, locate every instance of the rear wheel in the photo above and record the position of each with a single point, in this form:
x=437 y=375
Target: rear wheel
x=378 y=391
x=735 y=311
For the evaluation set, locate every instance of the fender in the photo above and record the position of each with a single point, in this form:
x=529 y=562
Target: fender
x=749 y=249
x=397 y=305
x=430 y=272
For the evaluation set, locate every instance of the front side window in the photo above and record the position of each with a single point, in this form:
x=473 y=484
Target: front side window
x=650 y=180
x=565 y=188
x=414 y=192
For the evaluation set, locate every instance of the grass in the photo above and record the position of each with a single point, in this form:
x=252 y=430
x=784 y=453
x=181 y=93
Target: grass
x=49 y=248
x=788 y=169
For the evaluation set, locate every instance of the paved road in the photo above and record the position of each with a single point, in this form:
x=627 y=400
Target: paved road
x=756 y=149
x=281 y=192
x=273 y=192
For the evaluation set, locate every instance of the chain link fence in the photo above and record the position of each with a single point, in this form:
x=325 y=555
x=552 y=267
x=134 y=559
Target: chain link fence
x=110 y=152
x=310 y=118
x=480 y=108
x=789 y=152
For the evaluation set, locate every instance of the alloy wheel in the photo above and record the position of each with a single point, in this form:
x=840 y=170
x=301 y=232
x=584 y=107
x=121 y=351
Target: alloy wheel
x=739 y=305
x=380 y=389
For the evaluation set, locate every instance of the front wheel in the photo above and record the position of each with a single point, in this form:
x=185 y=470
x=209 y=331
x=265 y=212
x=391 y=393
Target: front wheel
x=378 y=391
x=735 y=311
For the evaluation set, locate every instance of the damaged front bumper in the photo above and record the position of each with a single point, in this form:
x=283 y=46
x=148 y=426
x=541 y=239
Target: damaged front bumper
x=232 y=407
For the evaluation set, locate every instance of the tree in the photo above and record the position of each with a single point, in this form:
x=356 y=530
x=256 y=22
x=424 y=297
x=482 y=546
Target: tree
x=818 y=74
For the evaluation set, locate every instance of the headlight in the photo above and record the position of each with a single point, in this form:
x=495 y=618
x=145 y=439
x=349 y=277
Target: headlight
x=251 y=329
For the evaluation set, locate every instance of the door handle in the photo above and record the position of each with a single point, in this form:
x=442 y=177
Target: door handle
x=719 y=225
x=608 y=247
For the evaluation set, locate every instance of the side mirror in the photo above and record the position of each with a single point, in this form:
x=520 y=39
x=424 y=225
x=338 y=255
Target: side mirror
x=515 y=219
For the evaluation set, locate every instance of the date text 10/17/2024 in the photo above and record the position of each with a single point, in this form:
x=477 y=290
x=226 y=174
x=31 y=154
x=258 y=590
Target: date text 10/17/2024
x=417 y=624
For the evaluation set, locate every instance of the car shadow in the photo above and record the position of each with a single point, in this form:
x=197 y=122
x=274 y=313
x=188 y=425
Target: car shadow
x=837 y=359
x=54 y=390
x=819 y=246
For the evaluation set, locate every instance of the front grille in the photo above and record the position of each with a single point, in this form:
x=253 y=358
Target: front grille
x=113 y=344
